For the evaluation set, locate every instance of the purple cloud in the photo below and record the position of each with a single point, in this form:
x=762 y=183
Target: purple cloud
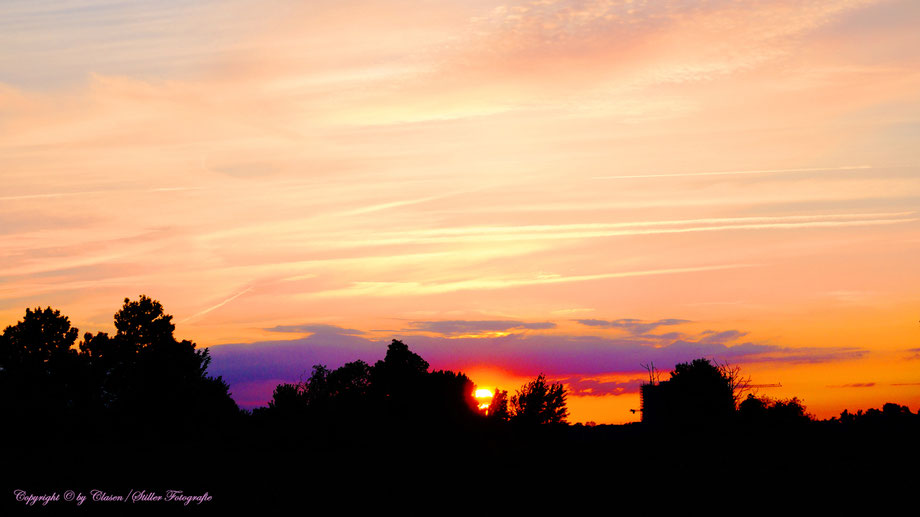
x=459 y=327
x=253 y=369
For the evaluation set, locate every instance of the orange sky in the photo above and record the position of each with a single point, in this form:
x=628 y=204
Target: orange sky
x=560 y=186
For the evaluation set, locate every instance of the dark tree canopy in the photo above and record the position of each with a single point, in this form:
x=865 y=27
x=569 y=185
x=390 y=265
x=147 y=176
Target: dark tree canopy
x=351 y=382
x=398 y=389
x=448 y=395
x=42 y=336
x=39 y=371
x=143 y=323
x=539 y=402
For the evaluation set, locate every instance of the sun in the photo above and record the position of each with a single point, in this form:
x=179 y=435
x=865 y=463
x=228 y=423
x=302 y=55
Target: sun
x=484 y=397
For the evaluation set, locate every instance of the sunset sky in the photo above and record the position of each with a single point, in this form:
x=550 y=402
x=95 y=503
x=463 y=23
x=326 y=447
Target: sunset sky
x=570 y=187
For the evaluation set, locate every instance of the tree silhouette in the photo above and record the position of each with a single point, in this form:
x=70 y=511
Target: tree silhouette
x=538 y=402
x=737 y=383
x=287 y=398
x=401 y=362
x=703 y=389
x=788 y=411
x=38 y=367
x=698 y=392
x=498 y=407
x=753 y=410
x=143 y=323
x=148 y=374
x=397 y=380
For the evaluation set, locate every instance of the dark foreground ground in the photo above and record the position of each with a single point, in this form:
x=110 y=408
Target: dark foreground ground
x=489 y=469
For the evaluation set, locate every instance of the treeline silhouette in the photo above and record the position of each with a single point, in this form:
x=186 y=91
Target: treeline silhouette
x=138 y=406
x=139 y=381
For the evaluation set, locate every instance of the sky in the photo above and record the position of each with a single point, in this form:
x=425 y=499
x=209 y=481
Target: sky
x=578 y=188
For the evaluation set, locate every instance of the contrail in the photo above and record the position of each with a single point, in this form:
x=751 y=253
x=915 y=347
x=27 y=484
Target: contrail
x=393 y=204
x=480 y=230
x=219 y=305
x=733 y=173
x=384 y=289
x=408 y=202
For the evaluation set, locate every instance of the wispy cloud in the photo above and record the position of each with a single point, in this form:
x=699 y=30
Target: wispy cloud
x=52 y=195
x=737 y=173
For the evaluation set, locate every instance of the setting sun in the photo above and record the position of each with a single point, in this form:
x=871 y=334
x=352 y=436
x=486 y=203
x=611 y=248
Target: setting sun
x=484 y=397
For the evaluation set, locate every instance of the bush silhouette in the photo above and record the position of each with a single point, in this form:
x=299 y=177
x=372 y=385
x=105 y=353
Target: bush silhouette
x=698 y=392
x=763 y=411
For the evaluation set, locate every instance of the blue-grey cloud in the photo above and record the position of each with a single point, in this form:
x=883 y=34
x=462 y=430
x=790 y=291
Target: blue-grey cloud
x=633 y=326
x=458 y=327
